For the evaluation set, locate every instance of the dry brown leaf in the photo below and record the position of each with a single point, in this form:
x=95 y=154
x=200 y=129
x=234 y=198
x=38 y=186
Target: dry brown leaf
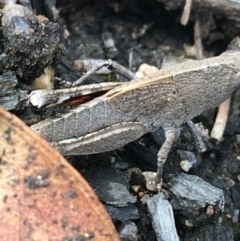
x=42 y=197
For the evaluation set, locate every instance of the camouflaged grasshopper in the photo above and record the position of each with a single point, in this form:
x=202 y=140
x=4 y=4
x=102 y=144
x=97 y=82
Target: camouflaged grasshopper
x=124 y=112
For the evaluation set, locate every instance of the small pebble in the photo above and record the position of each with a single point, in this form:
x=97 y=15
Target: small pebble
x=210 y=210
x=213 y=155
x=185 y=165
x=238 y=158
x=150 y=178
x=188 y=223
x=229 y=182
x=128 y=231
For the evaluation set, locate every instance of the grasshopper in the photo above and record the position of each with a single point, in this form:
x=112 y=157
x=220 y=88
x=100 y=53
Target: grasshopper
x=124 y=112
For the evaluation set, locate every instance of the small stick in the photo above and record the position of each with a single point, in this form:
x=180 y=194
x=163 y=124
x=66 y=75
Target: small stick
x=198 y=39
x=221 y=120
x=223 y=109
x=186 y=12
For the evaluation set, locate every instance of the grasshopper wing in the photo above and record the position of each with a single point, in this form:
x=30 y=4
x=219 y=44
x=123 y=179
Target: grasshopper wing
x=145 y=96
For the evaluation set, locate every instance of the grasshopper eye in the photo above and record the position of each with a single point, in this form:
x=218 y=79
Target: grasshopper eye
x=174 y=92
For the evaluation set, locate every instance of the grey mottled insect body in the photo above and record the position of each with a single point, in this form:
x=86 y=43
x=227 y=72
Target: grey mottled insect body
x=174 y=96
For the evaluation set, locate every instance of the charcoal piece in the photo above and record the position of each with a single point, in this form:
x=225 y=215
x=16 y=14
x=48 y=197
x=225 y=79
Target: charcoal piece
x=162 y=218
x=31 y=43
x=123 y=213
x=191 y=196
x=11 y=97
x=111 y=186
x=128 y=231
x=215 y=232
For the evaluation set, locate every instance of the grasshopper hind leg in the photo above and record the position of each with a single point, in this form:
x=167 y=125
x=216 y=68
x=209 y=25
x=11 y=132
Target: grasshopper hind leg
x=107 y=139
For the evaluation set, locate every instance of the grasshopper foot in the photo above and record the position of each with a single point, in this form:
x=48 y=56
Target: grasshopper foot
x=61 y=82
x=154 y=179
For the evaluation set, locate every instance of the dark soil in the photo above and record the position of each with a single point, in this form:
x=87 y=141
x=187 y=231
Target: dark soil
x=150 y=32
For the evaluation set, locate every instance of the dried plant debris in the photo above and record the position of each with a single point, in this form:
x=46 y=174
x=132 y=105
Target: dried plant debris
x=230 y=9
x=31 y=43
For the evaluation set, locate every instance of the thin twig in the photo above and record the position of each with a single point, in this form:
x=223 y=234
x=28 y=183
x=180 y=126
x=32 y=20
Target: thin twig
x=221 y=120
x=186 y=12
x=198 y=39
